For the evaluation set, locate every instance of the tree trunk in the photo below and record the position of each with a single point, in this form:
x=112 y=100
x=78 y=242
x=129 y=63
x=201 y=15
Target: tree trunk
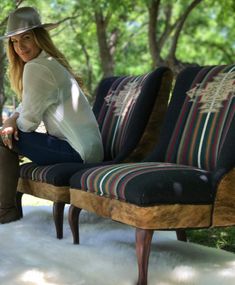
x=153 y=9
x=156 y=44
x=107 y=62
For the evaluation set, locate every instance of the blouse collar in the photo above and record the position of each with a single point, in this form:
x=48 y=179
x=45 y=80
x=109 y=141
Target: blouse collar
x=42 y=54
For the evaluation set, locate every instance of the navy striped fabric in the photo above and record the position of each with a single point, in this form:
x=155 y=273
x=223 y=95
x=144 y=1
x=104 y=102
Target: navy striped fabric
x=118 y=112
x=196 y=147
x=206 y=120
x=147 y=184
x=56 y=174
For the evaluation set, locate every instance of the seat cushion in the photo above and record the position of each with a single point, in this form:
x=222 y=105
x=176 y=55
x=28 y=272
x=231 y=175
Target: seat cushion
x=56 y=174
x=147 y=183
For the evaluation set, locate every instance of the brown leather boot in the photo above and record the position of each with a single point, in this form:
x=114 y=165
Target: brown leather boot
x=9 y=215
x=9 y=174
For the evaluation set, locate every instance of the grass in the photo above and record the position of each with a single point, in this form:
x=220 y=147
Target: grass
x=221 y=238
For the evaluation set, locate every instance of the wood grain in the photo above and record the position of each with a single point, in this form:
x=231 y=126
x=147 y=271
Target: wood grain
x=224 y=208
x=44 y=190
x=156 y=217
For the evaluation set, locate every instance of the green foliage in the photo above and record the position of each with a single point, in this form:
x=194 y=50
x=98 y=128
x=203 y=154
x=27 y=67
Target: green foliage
x=207 y=36
x=222 y=238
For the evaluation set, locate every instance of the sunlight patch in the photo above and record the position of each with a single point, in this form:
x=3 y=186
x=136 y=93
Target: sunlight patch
x=35 y=277
x=183 y=273
x=75 y=95
x=227 y=272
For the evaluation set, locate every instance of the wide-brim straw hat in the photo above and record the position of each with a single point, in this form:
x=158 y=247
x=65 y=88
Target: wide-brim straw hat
x=24 y=19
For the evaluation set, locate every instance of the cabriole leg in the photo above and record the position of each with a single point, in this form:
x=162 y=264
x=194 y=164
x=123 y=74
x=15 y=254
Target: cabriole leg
x=181 y=235
x=143 y=245
x=19 y=203
x=58 y=215
x=74 y=213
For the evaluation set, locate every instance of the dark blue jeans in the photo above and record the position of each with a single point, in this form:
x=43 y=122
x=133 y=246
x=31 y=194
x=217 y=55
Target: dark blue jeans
x=45 y=149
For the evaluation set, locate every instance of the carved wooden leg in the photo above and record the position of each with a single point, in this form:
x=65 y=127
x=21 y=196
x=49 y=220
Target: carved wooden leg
x=74 y=213
x=19 y=203
x=143 y=245
x=181 y=235
x=58 y=214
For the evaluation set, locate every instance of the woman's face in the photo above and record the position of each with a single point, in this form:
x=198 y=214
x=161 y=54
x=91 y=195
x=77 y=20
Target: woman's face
x=25 y=46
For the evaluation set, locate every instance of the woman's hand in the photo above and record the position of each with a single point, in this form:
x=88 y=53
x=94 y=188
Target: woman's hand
x=9 y=130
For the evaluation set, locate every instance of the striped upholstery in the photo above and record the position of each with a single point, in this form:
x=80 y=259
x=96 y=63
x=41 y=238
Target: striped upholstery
x=122 y=107
x=205 y=119
x=146 y=184
x=57 y=174
x=35 y=172
x=118 y=111
x=196 y=147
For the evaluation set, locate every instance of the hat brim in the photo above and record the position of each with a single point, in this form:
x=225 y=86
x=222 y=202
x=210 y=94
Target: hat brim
x=48 y=27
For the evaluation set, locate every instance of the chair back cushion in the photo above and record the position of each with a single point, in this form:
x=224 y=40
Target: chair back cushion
x=202 y=132
x=123 y=106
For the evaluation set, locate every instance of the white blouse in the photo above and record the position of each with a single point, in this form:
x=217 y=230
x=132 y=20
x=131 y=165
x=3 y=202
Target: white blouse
x=51 y=95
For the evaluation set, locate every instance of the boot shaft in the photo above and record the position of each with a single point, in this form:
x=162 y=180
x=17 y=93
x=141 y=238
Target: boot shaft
x=9 y=174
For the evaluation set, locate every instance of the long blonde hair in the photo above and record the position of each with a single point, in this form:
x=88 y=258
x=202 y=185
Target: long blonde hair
x=44 y=42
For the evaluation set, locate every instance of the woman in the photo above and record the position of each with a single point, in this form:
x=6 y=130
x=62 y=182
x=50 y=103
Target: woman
x=49 y=93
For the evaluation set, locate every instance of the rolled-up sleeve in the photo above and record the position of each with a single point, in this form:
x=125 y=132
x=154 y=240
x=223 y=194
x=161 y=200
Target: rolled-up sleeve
x=39 y=92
